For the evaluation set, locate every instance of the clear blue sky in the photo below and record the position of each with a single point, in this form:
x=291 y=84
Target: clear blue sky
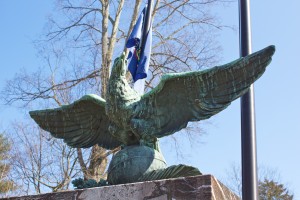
x=276 y=93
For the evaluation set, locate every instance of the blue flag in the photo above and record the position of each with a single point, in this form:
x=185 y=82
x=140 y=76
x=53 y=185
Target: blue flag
x=139 y=60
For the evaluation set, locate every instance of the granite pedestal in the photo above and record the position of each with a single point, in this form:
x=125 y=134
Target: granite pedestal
x=204 y=187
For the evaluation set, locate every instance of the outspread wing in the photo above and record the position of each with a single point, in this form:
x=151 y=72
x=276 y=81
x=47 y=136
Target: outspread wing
x=194 y=96
x=81 y=124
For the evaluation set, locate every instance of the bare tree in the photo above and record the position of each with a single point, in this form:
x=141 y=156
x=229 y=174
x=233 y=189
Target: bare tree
x=234 y=179
x=268 y=179
x=41 y=164
x=83 y=38
x=93 y=32
x=6 y=185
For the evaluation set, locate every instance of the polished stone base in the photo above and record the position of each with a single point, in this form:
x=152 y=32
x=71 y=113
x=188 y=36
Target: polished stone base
x=204 y=187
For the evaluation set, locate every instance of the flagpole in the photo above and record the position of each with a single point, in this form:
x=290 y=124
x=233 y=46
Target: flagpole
x=248 y=132
x=139 y=85
x=146 y=25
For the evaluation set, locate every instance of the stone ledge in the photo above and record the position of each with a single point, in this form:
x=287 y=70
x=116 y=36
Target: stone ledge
x=204 y=187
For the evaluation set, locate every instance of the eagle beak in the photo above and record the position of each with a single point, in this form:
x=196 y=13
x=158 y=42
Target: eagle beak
x=123 y=55
x=124 y=63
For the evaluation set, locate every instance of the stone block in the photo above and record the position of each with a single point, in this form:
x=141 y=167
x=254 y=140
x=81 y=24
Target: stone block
x=204 y=187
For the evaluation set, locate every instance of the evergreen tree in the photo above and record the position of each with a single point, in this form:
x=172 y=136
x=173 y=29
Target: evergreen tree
x=271 y=190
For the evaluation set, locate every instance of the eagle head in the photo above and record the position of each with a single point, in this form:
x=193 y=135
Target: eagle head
x=119 y=67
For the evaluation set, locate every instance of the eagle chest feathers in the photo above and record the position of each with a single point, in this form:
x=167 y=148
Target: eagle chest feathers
x=120 y=97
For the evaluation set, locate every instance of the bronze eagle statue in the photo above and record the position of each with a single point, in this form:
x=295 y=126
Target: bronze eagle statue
x=127 y=118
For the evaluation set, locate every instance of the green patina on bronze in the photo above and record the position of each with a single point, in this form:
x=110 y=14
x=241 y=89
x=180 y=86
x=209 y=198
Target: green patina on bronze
x=135 y=121
x=136 y=159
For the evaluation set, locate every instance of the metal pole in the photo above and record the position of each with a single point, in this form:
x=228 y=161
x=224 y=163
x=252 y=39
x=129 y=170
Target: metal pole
x=248 y=135
x=139 y=85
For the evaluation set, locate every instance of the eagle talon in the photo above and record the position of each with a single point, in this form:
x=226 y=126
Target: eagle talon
x=151 y=142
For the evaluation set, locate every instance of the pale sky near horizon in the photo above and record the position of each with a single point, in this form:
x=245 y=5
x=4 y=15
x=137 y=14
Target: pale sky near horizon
x=276 y=93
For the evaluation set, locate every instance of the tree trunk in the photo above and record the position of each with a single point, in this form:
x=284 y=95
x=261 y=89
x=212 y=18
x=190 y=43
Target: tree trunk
x=105 y=61
x=97 y=165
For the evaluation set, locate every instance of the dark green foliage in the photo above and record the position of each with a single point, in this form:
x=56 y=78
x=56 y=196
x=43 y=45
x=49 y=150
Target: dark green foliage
x=5 y=185
x=271 y=190
x=79 y=183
